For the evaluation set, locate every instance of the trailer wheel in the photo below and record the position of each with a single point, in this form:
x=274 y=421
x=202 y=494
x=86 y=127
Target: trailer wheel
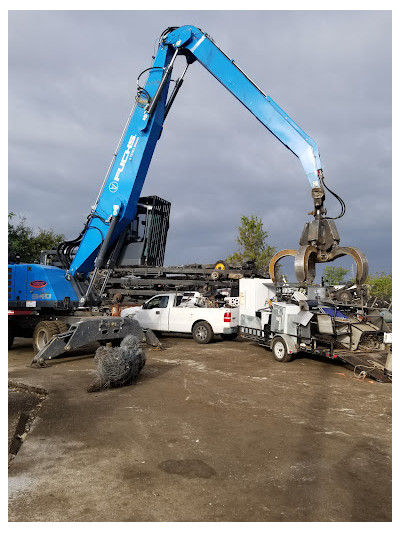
x=44 y=331
x=280 y=350
x=202 y=332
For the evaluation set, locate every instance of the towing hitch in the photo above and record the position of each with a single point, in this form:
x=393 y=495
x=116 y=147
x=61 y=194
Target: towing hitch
x=319 y=243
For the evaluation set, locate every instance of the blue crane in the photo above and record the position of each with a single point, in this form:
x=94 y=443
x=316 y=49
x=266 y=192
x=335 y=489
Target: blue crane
x=117 y=201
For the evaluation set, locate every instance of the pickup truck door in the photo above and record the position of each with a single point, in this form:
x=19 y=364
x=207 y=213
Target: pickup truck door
x=154 y=314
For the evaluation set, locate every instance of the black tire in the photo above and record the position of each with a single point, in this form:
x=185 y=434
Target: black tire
x=220 y=265
x=344 y=297
x=280 y=350
x=44 y=331
x=62 y=326
x=202 y=332
x=228 y=336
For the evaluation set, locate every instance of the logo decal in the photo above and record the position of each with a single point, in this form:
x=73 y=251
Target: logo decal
x=41 y=296
x=130 y=148
x=113 y=187
x=38 y=284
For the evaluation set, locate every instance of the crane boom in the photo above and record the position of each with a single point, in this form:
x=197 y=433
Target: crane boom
x=117 y=202
x=224 y=69
x=116 y=205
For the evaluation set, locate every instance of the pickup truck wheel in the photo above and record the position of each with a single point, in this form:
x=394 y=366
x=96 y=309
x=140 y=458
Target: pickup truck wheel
x=280 y=350
x=202 y=332
x=44 y=331
x=228 y=336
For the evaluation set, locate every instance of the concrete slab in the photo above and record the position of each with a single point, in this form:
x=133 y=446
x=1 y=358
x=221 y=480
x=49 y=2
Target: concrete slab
x=217 y=432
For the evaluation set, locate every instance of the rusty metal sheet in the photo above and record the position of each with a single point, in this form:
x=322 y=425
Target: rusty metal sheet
x=372 y=363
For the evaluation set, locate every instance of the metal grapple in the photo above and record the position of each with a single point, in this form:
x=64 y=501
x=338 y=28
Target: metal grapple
x=319 y=243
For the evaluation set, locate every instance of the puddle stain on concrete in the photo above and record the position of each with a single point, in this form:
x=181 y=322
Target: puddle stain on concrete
x=189 y=468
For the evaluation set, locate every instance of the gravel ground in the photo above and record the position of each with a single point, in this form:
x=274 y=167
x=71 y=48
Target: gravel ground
x=208 y=433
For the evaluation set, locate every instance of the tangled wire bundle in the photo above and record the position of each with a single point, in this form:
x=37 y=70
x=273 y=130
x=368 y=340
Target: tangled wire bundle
x=118 y=366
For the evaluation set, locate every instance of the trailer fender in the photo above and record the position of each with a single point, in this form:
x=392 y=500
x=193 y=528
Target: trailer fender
x=290 y=343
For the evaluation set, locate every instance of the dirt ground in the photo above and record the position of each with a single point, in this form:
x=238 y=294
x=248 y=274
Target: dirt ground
x=216 y=433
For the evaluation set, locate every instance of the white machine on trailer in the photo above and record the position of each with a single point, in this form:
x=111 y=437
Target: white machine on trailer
x=359 y=336
x=265 y=320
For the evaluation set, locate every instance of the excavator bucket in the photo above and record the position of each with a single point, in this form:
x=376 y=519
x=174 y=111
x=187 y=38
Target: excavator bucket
x=86 y=331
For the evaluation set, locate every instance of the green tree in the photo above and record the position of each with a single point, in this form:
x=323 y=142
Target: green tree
x=380 y=286
x=27 y=243
x=252 y=244
x=335 y=275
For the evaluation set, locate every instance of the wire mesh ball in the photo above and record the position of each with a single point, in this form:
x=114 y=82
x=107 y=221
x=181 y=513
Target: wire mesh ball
x=119 y=366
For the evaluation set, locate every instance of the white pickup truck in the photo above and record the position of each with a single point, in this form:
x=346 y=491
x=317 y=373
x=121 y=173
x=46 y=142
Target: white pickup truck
x=186 y=313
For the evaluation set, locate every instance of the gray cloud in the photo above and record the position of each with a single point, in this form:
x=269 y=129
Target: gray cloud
x=72 y=80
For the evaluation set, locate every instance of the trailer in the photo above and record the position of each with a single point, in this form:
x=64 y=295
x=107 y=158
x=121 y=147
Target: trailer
x=358 y=336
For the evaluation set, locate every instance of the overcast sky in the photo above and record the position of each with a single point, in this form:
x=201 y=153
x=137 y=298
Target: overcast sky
x=72 y=81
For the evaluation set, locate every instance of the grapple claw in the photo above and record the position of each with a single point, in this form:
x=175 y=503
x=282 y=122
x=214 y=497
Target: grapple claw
x=359 y=258
x=277 y=257
x=307 y=256
x=304 y=263
x=319 y=243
